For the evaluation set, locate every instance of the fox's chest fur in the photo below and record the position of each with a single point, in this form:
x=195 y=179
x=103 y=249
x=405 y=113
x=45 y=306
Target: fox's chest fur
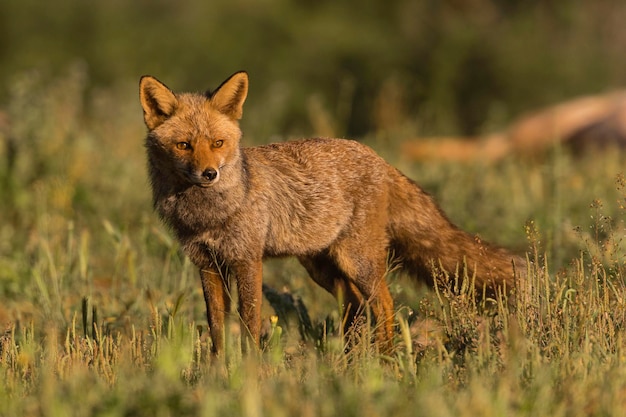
x=207 y=225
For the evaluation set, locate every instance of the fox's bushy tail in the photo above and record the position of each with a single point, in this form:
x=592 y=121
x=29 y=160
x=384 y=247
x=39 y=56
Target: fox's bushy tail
x=426 y=241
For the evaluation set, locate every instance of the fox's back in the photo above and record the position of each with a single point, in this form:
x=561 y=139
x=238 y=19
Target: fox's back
x=313 y=189
x=323 y=162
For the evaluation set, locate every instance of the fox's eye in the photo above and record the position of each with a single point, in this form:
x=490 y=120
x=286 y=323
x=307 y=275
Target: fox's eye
x=183 y=145
x=218 y=143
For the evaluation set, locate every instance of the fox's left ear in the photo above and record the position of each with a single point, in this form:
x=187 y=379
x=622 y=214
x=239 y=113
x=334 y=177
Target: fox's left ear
x=158 y=101
x=230 y=96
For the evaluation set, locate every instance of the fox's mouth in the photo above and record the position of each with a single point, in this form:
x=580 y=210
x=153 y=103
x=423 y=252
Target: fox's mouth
x=204 y=184
x=199 y=182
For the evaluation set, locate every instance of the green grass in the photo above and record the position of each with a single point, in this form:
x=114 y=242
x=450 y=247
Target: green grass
x=102 y=315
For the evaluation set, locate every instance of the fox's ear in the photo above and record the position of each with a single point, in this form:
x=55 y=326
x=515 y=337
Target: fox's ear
x=230 y=96
x=158 y=101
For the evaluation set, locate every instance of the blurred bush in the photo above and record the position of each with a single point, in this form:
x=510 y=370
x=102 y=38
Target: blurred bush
x=343 y=68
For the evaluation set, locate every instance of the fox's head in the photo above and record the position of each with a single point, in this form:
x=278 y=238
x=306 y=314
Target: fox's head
x=193 y=136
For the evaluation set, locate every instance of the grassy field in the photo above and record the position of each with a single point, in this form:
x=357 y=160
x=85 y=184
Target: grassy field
x=102 y=315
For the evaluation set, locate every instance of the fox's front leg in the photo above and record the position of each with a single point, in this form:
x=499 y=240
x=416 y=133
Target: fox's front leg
x=249 y=276
x=217 y=301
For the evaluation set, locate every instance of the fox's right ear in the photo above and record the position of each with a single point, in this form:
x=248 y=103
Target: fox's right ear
x=230 y=96
x=158 y=101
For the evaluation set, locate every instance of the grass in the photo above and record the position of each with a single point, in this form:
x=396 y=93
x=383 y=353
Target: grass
x=102 y=315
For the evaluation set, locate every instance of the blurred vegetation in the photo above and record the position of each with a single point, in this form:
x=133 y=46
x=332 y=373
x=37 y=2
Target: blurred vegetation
x=101 y=314
x=448 y=67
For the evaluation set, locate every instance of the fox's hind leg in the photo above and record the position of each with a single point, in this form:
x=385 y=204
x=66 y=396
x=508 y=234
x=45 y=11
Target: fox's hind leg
x=361 y=254
x=367 y=274
x=357 y=281
x=323 y=270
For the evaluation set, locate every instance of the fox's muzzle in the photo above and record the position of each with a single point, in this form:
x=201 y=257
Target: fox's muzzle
x=210 y=174
x=206 y=178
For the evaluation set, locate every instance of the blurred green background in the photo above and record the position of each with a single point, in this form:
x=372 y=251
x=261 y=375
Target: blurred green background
x=416 y=66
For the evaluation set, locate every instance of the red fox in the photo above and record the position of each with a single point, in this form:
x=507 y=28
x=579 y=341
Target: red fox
x=333 y=203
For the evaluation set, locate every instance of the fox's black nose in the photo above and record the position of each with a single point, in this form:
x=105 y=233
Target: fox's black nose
x=209 y=174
